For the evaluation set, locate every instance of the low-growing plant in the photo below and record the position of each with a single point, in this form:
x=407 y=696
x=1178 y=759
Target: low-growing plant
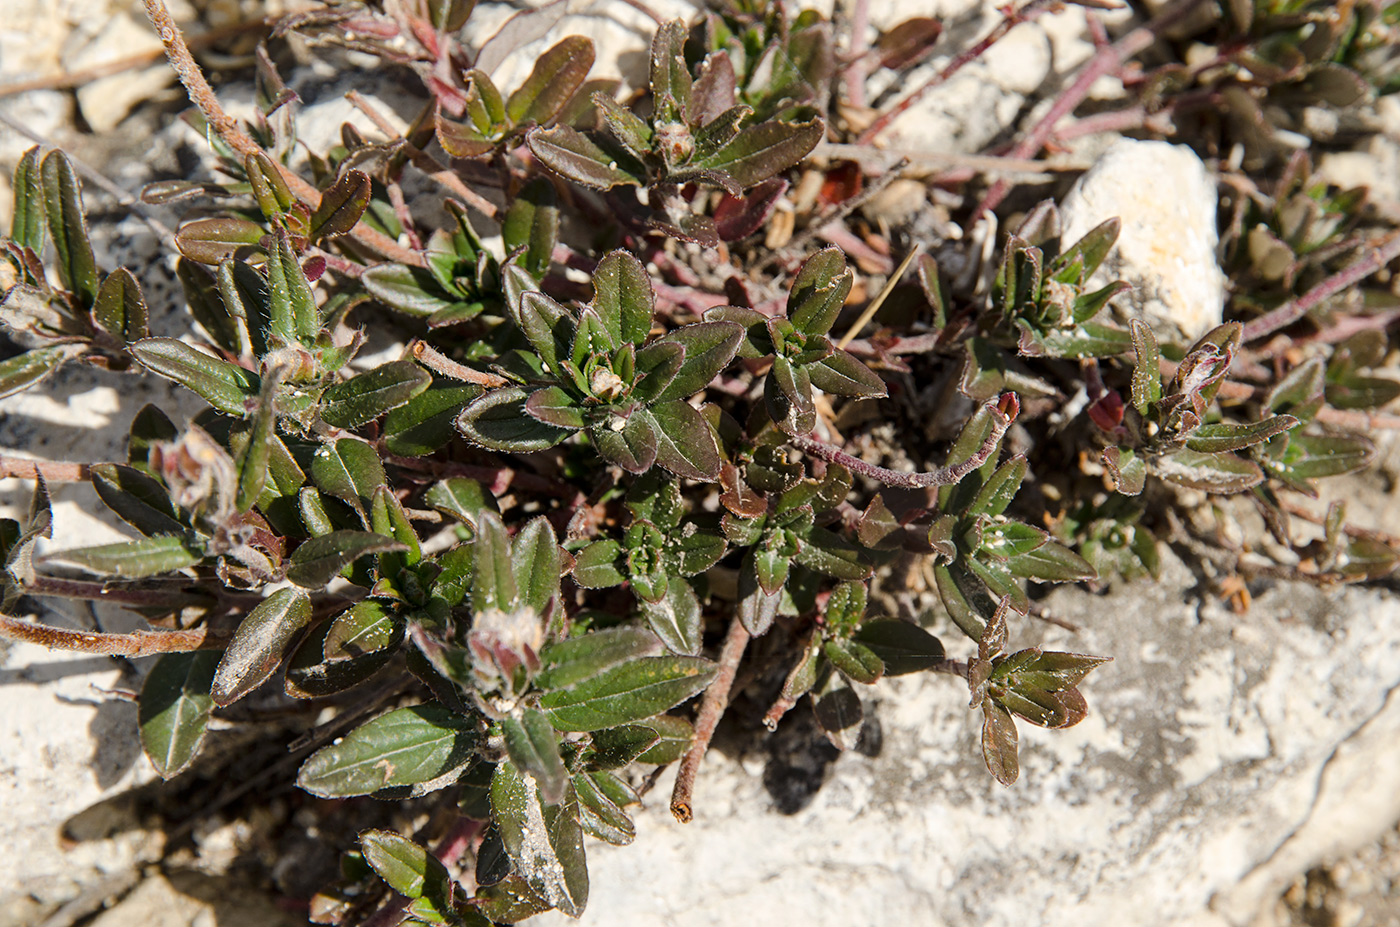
x=561 y=514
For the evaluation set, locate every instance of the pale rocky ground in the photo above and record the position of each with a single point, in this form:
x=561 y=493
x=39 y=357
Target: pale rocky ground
x=1236 y=769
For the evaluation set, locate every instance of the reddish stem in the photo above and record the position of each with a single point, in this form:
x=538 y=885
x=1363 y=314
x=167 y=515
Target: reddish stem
x=712 y=707
x=1003 y=411
x=1382 y=253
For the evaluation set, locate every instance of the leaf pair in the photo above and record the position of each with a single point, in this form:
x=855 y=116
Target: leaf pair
x=594 y=372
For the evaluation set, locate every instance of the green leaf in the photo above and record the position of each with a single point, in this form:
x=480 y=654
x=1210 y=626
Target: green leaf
x=149 y=426
x=819 y=291
x=1221 y=472
x=498 y=421
x=1313 y=456
x=670 y=75
x=845 y=608
x=493 y=580
x=632 y=132
x=120 y=308
x=829 y=553
x=856 y=661
x=676 y=735
x=427 y=422
x=536 y=563
x=1230 y=436
x=174 y=707
x=615 y=747
x=1126 y=470
x=410 y=290
x=573 y=156
x=341 y=205
x=532 y=223
x=214 y=240
x=787 y=392
x=996 y=494
x=556 y=77
x=599 y=814
x=545 y=841
x=999 y=743
x=317 y=561
x=253 y=457
x=685 y=442
x=460 y=497
x=696 y=553
x=598 y=566
x=63 y=203
x=1052 y=562
x=630 y=692
x=387 y=517
x=138 y=499
x=134 y=559
x=27 y=223
x=903 y=647
x=24 y=370
x=534 y=749
x=709 y=347
x=675 y=618
x=406 y=867
x=425 y=746
x=842 y=375
x=553 y=406
x=348 y=469
x=623 y=298
x=768 y=148
x=343 y=653
x=262 y=639
x=269 y=188
x=292 y=305
x=570 y=662
x=634 y=448
x=363 y=398
x=225 y=386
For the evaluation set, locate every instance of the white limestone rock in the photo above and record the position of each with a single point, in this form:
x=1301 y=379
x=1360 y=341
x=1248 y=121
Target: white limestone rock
x=1167 y=248
x=1223 y=755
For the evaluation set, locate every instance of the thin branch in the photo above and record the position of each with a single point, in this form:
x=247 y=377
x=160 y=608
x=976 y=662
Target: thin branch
x=712 y=707
x=53 y=471
x=854 y=76
x=135 y=644
x=1003 y=409
x=1010 y=20
x=1382 y=253
x=228 y=129
x=441 y=363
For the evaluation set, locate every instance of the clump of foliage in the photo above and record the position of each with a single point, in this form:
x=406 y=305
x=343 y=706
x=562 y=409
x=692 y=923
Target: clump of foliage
x=510 y=558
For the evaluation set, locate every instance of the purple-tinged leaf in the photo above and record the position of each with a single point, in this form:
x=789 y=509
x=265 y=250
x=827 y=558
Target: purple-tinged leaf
x=685 y=443
x=210 y=241
x=1000 y=743
x=262 y=639
x=556 y=77
x=63 y=205
x=317 y=561
x=498 y=421
x=573 y=156
x=761 y=151
x=740 y=217
x=709 y=347
x=341 y=206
